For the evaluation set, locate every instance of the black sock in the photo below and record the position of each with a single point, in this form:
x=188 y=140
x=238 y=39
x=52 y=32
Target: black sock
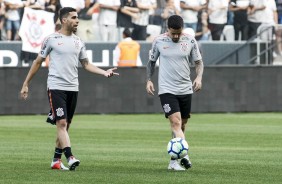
x=67 y=152
x=58 y=154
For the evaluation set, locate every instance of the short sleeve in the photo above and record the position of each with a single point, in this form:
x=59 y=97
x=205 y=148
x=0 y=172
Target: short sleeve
x=45 y=47
x=195 y=51
x=154 y=52
x=82 y=54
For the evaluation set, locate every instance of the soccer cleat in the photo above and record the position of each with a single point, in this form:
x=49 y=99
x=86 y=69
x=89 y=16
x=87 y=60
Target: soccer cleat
x=58 y=165
x=73 y=163
x=185 y=162
x=174 y=165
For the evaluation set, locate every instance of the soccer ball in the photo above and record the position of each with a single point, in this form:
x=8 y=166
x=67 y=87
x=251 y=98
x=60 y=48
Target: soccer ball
x=177 y=148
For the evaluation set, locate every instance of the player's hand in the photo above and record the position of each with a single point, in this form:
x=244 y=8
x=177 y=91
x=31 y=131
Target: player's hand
x=24 y=92
x=150 y=87
x=197 y=84
x=110 y=72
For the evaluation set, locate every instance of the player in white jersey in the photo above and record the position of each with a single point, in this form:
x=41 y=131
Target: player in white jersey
x=65 y=49
x=175 y=50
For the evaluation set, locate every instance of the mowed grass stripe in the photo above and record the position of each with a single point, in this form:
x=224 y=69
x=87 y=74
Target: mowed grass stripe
x=224 y=148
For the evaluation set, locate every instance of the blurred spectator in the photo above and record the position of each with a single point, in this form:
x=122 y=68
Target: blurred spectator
x=126 y=53
x=177 y=5
x=271 y=13
x=279 y=9
x=168 y=10
x=94 y=11
x=272 y=19
x=256 y=14
x=108 y=19
x=46 y=5
x=77 y=4
x=190 y=11
x=128 y=9
x=13 y=18
x=203 y=33
x=155 y=13
x=85 y=28
x=230 y=17
x=240 y=7
x=37 y=4
x=2 y=17
x=140 y=23
x=217 y=10
x=55 y=6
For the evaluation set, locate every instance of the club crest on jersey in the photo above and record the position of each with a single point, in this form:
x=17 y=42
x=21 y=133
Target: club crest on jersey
x=184 y=47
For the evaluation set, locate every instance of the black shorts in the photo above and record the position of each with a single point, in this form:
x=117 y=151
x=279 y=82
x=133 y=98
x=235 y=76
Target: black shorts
x=63 y=104
x=176 y=103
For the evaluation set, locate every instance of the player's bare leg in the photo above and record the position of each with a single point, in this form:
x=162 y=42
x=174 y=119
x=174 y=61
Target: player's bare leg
x=183 y=125
x=64 y=140
x=176 y=123
x=185 y=162
x=62 y=133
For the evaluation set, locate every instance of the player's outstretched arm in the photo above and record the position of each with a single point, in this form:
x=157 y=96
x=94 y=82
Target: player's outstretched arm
x=94 y=69
x=32 y=71
x=150 y=71
x=199 y=66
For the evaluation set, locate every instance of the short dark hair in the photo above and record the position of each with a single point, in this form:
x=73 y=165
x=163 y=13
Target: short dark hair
x=64 y=12
x=126 y=32
x=175 y=22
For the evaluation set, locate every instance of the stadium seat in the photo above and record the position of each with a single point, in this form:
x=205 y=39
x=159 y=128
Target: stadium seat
x=189 y=31
x=228 y=33
x=153 y=31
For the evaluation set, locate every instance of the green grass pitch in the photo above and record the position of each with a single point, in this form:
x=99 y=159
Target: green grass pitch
x=125 y=149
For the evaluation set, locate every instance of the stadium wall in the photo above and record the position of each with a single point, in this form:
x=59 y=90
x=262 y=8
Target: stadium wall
x=101 y=53
x=225 y=89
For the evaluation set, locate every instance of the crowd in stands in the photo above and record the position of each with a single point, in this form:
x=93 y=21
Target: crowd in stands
x=105 y=20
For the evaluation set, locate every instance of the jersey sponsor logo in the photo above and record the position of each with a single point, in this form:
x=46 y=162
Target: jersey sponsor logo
x=166 y=108
x=165 y=47
x=60 y=112
x=60 y=43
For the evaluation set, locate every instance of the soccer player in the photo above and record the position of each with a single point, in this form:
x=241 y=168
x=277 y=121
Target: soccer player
x=175 y=50
x=65 y=49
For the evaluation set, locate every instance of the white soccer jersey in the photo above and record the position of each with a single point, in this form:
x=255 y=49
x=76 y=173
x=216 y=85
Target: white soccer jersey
x=64 y=54
x=174 y=70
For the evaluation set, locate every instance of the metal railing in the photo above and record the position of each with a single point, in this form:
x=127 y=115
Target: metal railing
x=265 y=36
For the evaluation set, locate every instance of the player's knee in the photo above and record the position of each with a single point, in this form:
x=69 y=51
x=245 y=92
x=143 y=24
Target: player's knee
x=176 y=124
x=62 y=123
